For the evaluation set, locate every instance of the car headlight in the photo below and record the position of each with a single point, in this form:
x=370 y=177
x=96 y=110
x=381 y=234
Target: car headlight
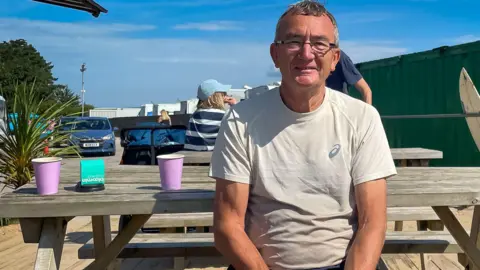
x=107 y=137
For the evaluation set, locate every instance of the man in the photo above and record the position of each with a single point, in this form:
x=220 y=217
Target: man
x=345 y=75
x=300 y=170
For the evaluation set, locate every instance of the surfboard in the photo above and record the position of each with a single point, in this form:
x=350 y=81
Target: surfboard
x=470 y=100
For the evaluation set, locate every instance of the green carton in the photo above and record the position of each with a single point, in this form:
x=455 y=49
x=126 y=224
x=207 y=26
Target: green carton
x=92 y=173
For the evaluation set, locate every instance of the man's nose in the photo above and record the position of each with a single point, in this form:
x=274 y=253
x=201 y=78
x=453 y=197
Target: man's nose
x=306 y=51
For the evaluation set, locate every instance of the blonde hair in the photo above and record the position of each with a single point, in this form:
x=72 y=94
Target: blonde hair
x=214 y=101
x=164 y=115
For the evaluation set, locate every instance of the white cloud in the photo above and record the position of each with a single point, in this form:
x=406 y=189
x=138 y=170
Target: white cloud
x=209 y=26
x=366 y=51
x=466 y=39
x=188 y=60
x=126 y=71
x=274 y=72
x=69 y=29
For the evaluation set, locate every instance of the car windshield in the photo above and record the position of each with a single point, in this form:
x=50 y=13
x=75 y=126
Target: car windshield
x=161 y=137
x=66 y=123
x=91 y=124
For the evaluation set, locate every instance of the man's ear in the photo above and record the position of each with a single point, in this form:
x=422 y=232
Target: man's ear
x=273 y=54
x=335 y=59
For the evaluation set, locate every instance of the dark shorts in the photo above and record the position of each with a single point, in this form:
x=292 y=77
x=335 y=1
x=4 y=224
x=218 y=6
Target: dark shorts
x=335 y=267
x=380 y=266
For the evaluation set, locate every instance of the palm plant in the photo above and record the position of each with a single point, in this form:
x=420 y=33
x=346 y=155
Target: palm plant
x=30 y=136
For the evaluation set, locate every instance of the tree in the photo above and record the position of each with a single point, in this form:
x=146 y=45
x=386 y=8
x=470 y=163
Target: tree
x=20 y=62
x=62 y=94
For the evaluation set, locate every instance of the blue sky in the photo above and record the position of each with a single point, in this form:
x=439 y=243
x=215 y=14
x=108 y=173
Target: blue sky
x=159 y=51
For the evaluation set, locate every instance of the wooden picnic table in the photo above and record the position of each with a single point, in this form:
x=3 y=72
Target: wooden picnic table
x=44 y=218
x=405 y=156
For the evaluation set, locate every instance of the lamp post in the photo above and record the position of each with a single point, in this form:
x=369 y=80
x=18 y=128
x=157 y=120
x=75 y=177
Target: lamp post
x=83 y=69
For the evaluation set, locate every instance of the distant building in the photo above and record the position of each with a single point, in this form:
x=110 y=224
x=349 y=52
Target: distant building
x=238 y=94
x=182 y=107
x=115 y=112
x=171 y=108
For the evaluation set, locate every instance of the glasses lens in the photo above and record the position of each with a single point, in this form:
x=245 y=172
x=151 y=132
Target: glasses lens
x=294 y=45
x=320 y=46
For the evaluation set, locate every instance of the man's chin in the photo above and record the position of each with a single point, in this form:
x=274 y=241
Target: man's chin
x=307 y=85
x=306 y=81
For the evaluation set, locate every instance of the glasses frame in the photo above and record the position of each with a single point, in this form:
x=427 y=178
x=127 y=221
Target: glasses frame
x=302 y=44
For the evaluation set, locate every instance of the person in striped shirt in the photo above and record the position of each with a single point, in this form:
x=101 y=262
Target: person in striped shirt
x=205 y=122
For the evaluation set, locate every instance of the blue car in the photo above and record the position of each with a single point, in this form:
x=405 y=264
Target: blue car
x=93 y=135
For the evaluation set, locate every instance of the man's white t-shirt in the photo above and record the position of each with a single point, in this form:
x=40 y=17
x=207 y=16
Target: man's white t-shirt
x=302 y=169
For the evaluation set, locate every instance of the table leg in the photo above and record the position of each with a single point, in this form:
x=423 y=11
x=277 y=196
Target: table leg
x=115 y=247
x=50 y=246
x=399 y=224
x=102 y=236
x=474 y=236
x=423 y=225
x=459 y=234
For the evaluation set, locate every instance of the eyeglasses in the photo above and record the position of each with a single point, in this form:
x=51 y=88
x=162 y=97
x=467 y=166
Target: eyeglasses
x=318 y=47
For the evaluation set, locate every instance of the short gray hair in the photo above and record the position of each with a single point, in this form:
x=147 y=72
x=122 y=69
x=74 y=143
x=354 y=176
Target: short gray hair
x=310 y=8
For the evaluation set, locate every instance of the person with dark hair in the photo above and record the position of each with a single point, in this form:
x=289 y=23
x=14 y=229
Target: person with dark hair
x=346 y=75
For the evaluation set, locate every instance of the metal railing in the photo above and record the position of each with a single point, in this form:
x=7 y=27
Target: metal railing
x=425 y=116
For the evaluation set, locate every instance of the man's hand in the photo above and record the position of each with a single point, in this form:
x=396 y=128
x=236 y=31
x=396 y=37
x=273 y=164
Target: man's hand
x=371 y=200
x=230 y=206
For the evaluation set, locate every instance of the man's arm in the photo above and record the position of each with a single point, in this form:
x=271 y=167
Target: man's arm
x=364 y=89
x=372 y=164
x=230 y=166
x=231 y=200
x=371 y=200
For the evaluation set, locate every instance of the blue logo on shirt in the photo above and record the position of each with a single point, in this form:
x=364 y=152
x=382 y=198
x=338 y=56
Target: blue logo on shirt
x=334 y=151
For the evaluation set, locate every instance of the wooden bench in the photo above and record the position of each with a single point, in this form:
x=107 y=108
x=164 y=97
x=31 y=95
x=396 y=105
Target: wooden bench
x=170 y=222
x=180 y=246
x=162 y=241
x=198 y=220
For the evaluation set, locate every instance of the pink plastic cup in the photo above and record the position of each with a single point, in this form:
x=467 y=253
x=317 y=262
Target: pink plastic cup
x=171 y=167
x=47 y=174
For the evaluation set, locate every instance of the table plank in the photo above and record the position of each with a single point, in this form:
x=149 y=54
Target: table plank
x=415 y=153
x=151 y=174
x=411 y=187
x=198 y=157
x=185 y=201
x=394 y=187
x=188 y=202
x=139 y=170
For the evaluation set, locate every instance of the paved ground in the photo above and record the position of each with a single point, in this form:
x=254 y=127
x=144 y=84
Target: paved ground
x=14 y=254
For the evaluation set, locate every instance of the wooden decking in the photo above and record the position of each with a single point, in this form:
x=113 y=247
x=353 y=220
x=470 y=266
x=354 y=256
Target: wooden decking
x=14 y=254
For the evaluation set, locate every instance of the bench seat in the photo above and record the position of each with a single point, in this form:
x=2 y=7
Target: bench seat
x=201 y=244
x=206 y=219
